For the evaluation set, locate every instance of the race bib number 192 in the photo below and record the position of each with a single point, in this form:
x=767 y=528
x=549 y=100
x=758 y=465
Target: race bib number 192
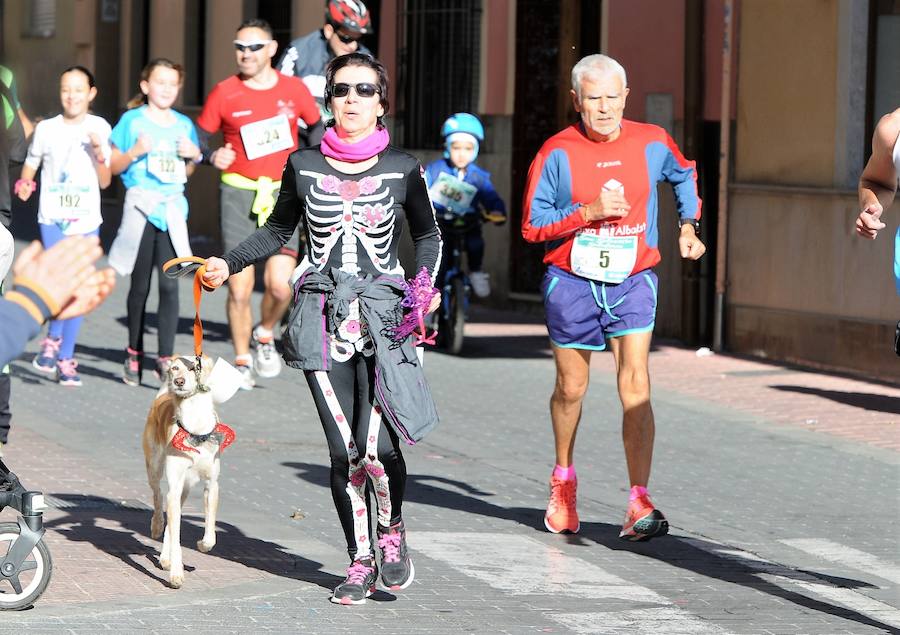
x=66 y=201
x=267 y=136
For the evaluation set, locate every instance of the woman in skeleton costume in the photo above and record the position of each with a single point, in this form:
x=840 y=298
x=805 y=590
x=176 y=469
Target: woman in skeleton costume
x=353 y=195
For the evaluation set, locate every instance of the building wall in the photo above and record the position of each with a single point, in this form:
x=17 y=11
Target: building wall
x=801 y=286
x=786 y=111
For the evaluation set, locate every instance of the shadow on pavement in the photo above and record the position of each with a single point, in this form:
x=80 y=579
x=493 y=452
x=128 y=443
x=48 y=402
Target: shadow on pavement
x=864 y=400
x=502 y=346
x=713 y=560
x=424 y=489
x=80 y=525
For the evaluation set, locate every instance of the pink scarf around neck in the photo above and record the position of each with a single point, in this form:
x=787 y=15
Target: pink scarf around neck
x=336 y=148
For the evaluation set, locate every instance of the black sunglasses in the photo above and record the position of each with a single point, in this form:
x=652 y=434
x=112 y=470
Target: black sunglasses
x=347 y=39
x=251 y=46
x=364 y=89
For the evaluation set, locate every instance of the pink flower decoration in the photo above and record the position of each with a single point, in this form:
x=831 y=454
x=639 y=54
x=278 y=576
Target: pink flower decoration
x=374 y=471
x=348 y=190
x=331 y=183
x=352 y=326
x=367 y=185
x=373 y=214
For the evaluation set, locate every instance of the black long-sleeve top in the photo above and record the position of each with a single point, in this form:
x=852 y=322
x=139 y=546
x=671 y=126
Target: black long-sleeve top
x=352 y=221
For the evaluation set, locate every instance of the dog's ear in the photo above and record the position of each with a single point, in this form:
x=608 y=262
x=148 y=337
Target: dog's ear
x=206 y=368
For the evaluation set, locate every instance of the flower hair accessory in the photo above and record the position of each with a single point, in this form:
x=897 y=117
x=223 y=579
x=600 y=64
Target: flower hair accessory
x=417 y=296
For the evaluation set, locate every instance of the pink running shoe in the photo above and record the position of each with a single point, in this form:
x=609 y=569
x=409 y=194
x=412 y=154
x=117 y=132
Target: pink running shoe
x=359 y=583
x=67 y=372
x=561 y=515
x=45 y=361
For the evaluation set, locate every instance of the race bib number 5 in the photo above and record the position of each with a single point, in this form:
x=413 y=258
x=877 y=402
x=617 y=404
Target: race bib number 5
x=604 y=258
x=66 y=201
x=453 y=194
x=267 y=136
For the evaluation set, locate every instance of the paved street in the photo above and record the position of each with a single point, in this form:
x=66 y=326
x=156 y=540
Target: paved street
x=781 y=486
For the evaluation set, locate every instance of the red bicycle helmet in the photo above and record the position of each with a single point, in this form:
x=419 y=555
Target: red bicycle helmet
x=352 y=15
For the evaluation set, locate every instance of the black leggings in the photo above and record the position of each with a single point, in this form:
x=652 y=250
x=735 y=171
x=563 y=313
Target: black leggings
x=155 y=249
x=361 y=445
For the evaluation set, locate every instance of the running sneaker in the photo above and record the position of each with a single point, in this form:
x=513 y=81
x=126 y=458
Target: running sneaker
x=67 y=372
x=267 y=361
x=643 y=521
x=481 y=283
x=131 y=369
x=45 y=361
x=397 y=570
x=561 y=514
x=359 y=583
x=246 y=370
x=162 y=367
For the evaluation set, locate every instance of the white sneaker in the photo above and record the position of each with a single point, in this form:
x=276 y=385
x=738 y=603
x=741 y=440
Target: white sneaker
x=267 y=361
x=481 y=283
x=245 y=370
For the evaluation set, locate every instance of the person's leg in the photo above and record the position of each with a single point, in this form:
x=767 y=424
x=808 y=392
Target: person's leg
x=5 y=414
x=629 y=319
x=240 y=314
x=167 y=314
x=236 y=225
x=572 y=374
x=140 y=289
x=632 y=353
x=475 y=248
x=334 y=393
x=277 y=294
x=386 y=469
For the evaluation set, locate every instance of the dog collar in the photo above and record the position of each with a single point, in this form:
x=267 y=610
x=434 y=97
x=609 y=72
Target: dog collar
x=183 y=440
x=195 y=367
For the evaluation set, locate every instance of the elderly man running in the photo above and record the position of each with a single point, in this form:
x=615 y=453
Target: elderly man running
x=591 y=197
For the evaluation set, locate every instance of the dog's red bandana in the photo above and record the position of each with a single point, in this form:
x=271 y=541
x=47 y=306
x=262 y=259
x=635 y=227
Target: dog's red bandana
x=221 y=434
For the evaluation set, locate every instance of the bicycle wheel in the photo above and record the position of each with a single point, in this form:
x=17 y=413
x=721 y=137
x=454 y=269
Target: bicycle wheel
x=33 y=578
x=457 y=320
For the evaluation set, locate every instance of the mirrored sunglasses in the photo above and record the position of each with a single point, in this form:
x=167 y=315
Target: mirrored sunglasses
x=363 y=90
x=256 y=45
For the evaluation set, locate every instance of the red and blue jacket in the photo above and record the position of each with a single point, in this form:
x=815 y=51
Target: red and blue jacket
x=570 y=171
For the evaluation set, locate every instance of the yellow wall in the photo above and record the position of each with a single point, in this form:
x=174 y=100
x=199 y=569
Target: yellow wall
x=787 y=80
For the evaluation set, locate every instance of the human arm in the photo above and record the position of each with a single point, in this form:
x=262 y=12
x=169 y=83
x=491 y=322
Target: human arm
x=100 y=152
x=423 y=226
x=26 y=185
x=27 y=126
x=493 y=207
x=878 y=182
x=682 y=174
x=58 y=282
x=548 y=211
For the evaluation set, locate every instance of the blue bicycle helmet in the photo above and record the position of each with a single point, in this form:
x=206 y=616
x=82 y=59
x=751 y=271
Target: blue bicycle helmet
x=462 y=123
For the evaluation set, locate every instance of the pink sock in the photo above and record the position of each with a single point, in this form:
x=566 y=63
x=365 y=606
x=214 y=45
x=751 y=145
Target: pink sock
x=565 y=473
x=637 y=491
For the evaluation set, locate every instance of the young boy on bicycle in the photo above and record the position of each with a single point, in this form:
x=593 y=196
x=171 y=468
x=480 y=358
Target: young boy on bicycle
x=463 y=195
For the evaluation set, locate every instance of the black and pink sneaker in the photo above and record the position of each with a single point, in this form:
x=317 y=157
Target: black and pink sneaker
x=359 y=583
x=397 y=570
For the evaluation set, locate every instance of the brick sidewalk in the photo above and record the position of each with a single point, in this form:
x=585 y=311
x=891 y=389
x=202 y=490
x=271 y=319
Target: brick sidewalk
x=851 y=408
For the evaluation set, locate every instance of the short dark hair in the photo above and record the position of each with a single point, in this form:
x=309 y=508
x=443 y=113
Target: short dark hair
x=257 y=23
x=81 y=69
x=358 y=59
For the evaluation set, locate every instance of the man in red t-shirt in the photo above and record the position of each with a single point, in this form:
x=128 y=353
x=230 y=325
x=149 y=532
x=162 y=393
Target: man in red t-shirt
x=257 y=111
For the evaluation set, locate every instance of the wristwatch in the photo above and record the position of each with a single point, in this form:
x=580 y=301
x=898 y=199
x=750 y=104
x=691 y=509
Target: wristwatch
x=690 y=221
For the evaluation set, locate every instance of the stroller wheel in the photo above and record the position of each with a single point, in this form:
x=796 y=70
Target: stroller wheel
x=21 y=590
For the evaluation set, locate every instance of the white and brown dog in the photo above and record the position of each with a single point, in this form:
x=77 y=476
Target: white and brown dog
x=183 y=440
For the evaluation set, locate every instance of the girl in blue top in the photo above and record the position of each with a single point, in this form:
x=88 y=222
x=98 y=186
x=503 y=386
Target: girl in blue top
x=155 y=149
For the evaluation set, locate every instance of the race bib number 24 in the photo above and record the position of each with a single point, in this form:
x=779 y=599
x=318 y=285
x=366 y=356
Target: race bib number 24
x=267 y=136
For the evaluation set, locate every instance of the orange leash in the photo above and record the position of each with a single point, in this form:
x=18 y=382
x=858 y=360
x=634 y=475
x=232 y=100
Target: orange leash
x=197 y=266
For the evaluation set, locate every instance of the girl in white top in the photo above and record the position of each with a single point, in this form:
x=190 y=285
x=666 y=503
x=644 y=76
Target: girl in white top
x=73 y=149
